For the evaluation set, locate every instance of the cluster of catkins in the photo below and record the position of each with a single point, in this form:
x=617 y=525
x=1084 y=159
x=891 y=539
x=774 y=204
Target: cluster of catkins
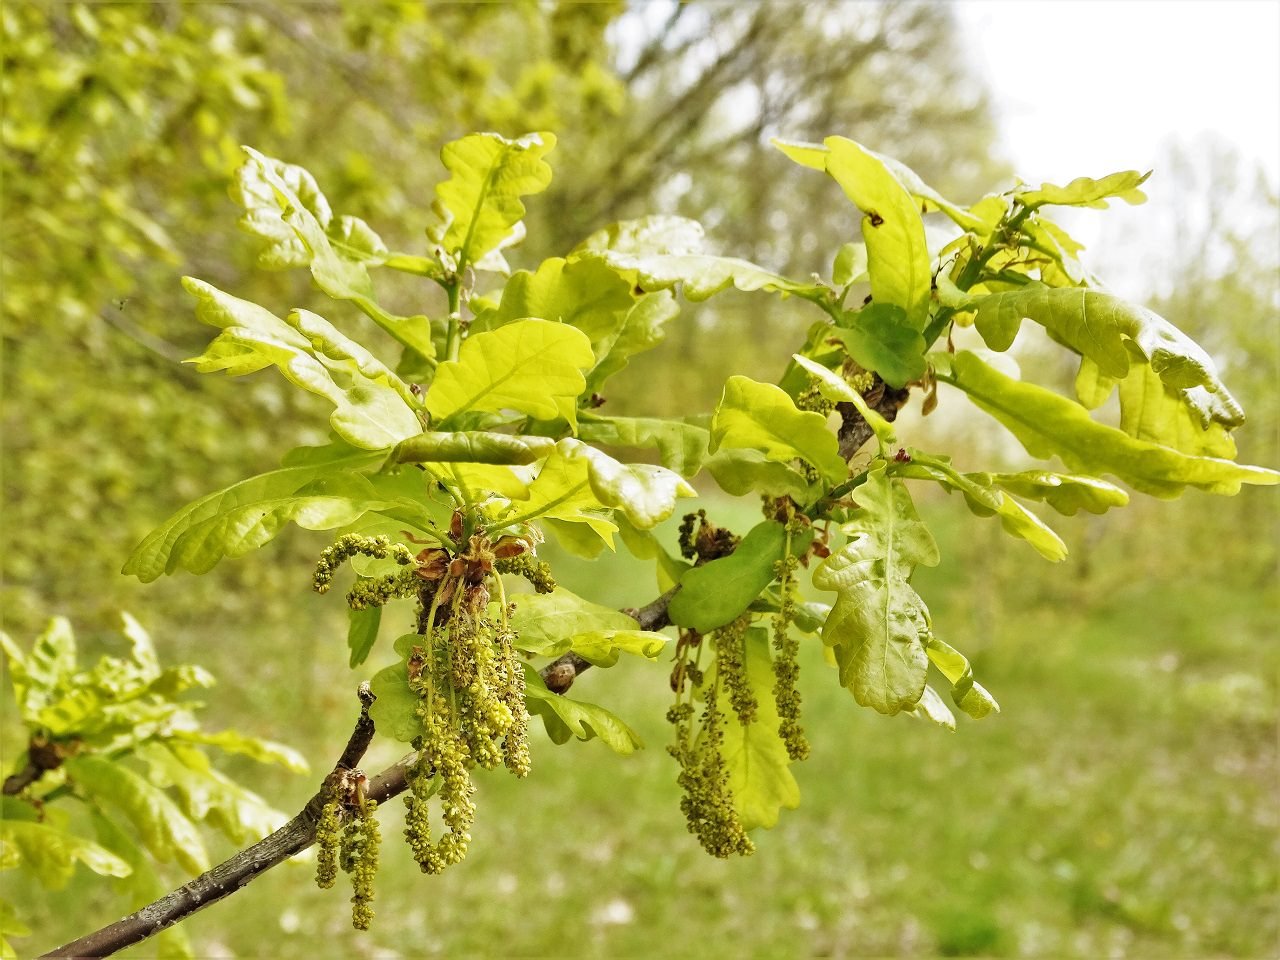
x=704 y=777
x=708 y=802
x=368 y=591
x=351 y=844
x=470 y=684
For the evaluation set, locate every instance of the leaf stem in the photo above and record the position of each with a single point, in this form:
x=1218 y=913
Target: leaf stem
x=453 y=339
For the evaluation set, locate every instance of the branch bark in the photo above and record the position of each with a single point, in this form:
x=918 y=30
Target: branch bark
x=300 y=832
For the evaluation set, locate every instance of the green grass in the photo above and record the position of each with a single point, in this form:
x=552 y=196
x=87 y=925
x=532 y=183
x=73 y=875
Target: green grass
x=1122 y=804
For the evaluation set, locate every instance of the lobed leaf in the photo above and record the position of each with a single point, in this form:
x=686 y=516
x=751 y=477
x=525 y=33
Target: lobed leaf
x=341 y=275
x=39 y=677
x=969 y=696
x=879 y=624
x=532 y=366
x=1066 y=493
x=373 y=407
x=739 y=472
x=932 y=708
x=247 y=514
x=563 y=491
x=985 y=499
x=545 y=621
x=834 y=387
x=1048 y=425
x=488 y=176
x=702 y=276
x=588 y=294
x=1111 y=333
x=645 y=494
x=681 y=446
x=395 y=711
x=1151 y=410
x=892 y=228
x=564 y=718
x=761 y=417
x=255 y=748
x=362 y=633
x=205 y=794
x=880 y=338
x=661 y=234
x=1085 y=192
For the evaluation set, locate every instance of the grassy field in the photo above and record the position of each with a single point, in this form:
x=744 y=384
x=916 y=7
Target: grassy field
x=1123 y=804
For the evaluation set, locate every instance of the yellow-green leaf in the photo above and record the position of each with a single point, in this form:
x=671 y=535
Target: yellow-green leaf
x=532 y=366
x=760 y=416
x=879 y=624
x=489 y=175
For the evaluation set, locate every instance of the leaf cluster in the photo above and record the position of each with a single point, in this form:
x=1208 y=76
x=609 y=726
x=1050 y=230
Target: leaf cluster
x=115 y=775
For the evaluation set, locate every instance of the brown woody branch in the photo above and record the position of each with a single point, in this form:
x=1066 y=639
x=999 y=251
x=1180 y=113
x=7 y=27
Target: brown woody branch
x=300 y=832
x=854 y=430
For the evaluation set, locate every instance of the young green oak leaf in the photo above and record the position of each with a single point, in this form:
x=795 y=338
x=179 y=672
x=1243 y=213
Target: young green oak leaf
x=659 y=234
x=1066 y=493
x=245 y=515
x=976 y=218
x=760 y=416
x=255 y=189
x=934 y=709
x=756 y=758
x=394 y=710
x=341 y=275
x=531 y=366
x=986 y=499
x=488 y=176
x=551 y=624
x=1112 y=333
x=373 y=408
x=880 y=337
x=892 y=228
x=681 y=445
x=588 y=294
x=205 y=794
x=879 y=624
x=702 y=276
x=644 y=493
x=564 y=717
x=1048 y=425
x=834 y=387
x=969 y=696
x=718 y=592
x=739 y=472
x=1085 y=192
x=362 y=633
x=1152 y=410
x=562 y=491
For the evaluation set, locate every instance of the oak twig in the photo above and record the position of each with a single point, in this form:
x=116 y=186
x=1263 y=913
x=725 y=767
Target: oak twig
x=300 y=832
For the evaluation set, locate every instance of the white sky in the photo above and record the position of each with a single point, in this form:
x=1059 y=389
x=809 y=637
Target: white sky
x=1087 y=87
